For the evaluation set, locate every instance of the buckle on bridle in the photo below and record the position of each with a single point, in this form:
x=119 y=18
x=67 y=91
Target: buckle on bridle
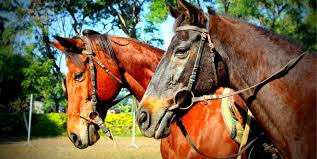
x=183 y=99
x=93 y=102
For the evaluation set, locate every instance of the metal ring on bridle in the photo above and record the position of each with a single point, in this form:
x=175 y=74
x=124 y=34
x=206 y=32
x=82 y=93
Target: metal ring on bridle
x=183 y=99
x=93 y=115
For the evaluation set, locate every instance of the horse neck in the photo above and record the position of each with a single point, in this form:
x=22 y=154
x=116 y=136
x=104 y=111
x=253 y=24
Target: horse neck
x=250 y=53
x=253 y=55
x=138 y=62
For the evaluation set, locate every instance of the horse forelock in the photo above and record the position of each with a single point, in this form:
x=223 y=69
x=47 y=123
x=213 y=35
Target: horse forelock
x=75 y=59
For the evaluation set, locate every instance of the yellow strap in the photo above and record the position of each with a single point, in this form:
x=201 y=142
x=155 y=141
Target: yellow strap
x=245 y=132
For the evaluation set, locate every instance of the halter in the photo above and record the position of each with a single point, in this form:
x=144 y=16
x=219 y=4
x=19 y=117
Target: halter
x=94 y=116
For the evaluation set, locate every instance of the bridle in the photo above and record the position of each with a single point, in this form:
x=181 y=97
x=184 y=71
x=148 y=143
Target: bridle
x=94 y=116
x=189 y=95
x=204 y=33
x=188 y=92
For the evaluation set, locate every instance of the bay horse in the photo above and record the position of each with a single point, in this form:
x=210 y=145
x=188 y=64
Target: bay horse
x=128 y=53
x=284 y=104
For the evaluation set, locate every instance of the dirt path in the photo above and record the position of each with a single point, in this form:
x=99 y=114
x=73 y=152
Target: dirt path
x=62 y=148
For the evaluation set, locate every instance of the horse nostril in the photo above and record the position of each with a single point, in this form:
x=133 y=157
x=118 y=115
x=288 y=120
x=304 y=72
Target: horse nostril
x=143 y=119
x=75 y=139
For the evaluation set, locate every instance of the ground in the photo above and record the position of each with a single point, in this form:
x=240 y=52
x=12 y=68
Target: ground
x=62 y=148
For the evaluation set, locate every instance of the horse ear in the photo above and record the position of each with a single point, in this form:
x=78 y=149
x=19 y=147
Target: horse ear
x=184 y=7
x=57 y=45
x=67 y=44
x=173 y=11
x=193 y=15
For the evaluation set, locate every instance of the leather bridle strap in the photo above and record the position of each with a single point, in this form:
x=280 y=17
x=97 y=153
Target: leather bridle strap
x=193 y=75
x=183 y=129
x=284 y=69
x=204 y=34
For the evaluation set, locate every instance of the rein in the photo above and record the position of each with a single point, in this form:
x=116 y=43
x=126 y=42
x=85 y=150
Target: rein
x=284 y=69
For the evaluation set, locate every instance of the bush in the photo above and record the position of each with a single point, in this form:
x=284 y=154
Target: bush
x=121 y=124
x=54 y=124
x=50 y=124
x=12 y=125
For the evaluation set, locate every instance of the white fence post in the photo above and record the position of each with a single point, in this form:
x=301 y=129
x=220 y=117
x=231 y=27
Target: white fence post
x=134 y=105
x=30 y=118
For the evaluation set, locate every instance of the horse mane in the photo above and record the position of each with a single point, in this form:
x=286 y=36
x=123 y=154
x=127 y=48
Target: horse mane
x=264 y=32
x=99 y=43
x=183 y=20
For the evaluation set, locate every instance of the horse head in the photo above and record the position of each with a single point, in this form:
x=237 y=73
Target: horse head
x=175 y=81
x=80 y=90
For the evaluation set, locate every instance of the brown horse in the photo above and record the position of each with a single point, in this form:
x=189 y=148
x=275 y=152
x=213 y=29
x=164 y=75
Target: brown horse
x=284 y=105
x=132 y=62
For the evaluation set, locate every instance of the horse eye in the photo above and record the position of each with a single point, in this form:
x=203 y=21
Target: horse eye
x=181 y=53
x=79 y=76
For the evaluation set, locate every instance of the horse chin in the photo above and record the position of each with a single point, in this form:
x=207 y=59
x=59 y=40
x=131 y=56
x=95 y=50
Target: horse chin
x=163 y=129
x=93 y=134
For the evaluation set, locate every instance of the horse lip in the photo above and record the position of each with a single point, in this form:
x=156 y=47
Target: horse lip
x=163 y=123
x=93 y=130
x=173 y=107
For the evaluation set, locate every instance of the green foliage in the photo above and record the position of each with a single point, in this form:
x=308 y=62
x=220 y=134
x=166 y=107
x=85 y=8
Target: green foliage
x=11 y=72
x=40 y=81
x=158 y=11
x=52 y=124
x=294 y=19
x=121 y=124
x=12 y=125
x=125 y=108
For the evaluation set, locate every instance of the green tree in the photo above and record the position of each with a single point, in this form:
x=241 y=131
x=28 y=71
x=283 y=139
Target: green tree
x=294 y=19
x=29 y=25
